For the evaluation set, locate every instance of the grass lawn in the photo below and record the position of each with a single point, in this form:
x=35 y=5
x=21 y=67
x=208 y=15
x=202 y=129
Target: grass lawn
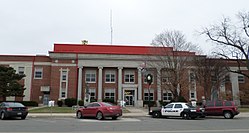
x=52 y=109
x=59 y=110
x=244 y=109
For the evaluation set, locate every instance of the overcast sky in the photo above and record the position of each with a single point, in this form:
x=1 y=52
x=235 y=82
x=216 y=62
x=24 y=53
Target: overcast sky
x=33 y=26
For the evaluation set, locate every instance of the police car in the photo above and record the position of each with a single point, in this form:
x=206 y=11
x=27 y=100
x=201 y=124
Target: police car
x=178 y=109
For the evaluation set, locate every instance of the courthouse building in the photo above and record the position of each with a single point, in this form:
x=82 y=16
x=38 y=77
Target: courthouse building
x=103 y=71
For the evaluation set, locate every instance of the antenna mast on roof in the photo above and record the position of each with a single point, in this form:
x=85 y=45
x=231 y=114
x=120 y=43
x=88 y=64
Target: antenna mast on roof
x=111 y=25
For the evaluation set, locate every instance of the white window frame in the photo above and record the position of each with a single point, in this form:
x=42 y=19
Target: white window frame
x=92 y=74
x=129 y=74
x=111 y=74
x=92 y=91
x=167 y=97
x=110 y=91
x=64 y=75
x=190 y=95
x=241 y=78
x=146 y=97
x=40 y=70
x=21 y=70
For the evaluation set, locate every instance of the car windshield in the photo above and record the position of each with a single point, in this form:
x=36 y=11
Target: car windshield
x=14 y=105
x=107 y=104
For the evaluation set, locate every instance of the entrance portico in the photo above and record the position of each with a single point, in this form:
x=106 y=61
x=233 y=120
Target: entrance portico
x=130 y=94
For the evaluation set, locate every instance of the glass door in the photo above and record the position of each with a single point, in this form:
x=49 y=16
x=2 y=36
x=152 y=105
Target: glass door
x=129 y=100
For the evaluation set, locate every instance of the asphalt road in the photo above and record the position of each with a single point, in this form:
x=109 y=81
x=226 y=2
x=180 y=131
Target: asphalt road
x=127 y=125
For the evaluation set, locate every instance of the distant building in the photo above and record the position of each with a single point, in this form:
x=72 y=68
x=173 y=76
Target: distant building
x=103 y=72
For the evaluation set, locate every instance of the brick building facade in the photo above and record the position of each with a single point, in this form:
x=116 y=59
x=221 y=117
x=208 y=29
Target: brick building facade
x=104 y=71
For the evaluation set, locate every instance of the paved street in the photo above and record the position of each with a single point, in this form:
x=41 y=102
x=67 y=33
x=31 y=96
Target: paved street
x=123 y=125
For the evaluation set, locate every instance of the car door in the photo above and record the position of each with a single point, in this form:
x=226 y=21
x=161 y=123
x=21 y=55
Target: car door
x=167 y=110
x=87 y=110
x=177 y=109
x=94 y=109
x=209 y=107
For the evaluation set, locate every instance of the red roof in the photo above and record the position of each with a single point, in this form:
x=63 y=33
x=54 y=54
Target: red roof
x=111 y=49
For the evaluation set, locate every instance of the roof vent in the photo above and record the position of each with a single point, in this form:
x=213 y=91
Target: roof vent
x=84 y=42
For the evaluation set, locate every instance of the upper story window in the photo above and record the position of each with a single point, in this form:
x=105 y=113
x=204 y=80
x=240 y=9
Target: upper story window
x=21 y=70
x=38 y=72
x=129 y=77
x=64 y=75
x=91 y=76
x=191 y=77
x=241 y=78
x=110 y=76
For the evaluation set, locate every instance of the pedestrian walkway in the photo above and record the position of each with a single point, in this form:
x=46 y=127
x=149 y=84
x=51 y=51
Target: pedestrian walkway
x=134 y=111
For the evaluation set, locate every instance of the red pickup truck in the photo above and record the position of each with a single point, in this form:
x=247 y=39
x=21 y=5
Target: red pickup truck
x=228 y=109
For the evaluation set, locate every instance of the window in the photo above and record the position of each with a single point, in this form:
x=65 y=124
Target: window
x=192 y=94
x=210 y=104
x=21 y=70
x=38 y=72
x=178 y=106
x=146 y=96
x=169 y=106
x=167 y=96
x=92 y=93
x=166 y=80
x=110 y=76
x=129 y=77
x=64 y=75
x=63 y=94
x=109 y=93
x=228 y=103
x=241 y=79
x=91 y=76
x=218 y=103
x=191 y=77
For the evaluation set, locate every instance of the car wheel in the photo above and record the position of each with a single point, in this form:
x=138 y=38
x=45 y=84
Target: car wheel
x=3 y=117
x=185 y=116
x=23 y=117
x=79 y=115
x=99 y=116
x=114 y=117
x=228 y=115
x=156 y=114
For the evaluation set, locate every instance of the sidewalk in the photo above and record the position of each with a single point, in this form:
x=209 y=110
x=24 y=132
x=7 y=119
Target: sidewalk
x=133 y=112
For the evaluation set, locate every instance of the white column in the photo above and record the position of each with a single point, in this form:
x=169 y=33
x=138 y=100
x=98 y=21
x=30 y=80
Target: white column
x=159 y=92
x=100 y=83
x=120 y=83
x=79 y=83
x=235 y=87
x=140 y=101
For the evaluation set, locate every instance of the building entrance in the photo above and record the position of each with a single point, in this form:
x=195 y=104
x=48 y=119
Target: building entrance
x=129 y=97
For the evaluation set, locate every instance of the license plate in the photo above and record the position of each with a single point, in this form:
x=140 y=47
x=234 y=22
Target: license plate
x=19 y=113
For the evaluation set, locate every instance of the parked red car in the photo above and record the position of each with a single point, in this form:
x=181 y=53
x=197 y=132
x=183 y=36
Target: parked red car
x=99 y=110
x=228 y=109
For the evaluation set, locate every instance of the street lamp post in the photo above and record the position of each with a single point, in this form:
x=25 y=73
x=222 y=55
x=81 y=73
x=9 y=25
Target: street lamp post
x=149 y=79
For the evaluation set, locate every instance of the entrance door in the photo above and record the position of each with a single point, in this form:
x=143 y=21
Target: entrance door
x=45 y=99
x=129 y=100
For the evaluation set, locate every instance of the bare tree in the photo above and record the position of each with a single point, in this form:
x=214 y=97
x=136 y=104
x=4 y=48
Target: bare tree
x=211 y=74
x=232 y=40
x=171 y=55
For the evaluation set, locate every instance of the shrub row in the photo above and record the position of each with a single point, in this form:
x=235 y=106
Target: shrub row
x=26 y=103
